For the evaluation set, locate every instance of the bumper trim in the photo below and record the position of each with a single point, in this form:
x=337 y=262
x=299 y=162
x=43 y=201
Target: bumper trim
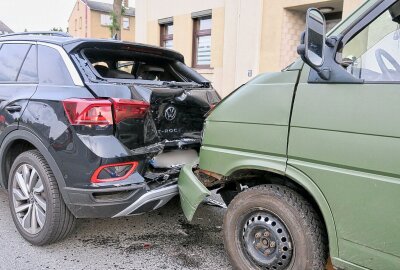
x=191 y=191
x=162 y=195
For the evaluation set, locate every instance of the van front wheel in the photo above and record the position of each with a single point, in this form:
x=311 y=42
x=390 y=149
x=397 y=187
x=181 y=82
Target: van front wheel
x=273 y=227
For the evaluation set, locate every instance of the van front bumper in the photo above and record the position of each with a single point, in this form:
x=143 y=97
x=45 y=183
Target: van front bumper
x=191 y=191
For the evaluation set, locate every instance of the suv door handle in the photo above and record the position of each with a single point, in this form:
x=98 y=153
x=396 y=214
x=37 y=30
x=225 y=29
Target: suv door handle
x=13 y=108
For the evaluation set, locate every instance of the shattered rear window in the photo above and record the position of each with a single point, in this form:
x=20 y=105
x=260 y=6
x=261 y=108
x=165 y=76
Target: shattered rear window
x=126 y=65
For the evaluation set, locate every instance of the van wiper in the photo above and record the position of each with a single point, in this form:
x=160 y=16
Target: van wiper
x=181 y=84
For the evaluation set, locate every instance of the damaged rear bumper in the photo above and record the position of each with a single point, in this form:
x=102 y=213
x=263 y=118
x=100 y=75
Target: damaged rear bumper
x=119 y=201
x=191 y=191
x=150 y=201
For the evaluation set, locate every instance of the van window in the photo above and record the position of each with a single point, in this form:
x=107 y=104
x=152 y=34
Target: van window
x=28 y=72
x=11 y=58
x=374 y=53
x=52 y=69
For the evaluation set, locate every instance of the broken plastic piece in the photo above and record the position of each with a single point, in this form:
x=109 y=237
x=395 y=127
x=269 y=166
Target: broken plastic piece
x=174 y=159
x=215 y=203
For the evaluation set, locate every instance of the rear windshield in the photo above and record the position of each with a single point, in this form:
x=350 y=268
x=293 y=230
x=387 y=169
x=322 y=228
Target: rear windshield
x=128 y=65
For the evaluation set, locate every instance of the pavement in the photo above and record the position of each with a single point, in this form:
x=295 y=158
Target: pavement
x=162 y=239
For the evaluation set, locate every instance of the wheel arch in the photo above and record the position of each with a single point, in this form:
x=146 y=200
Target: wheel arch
x=296 y=179
x=33 y=142
x=313 y=190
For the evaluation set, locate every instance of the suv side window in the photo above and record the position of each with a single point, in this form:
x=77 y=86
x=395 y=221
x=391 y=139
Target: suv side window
x=11 y=58
x=374 y=53
x=28 y=72
x=52 y=69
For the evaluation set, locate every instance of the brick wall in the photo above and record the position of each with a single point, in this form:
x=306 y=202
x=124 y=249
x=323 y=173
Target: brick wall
x=292 y=27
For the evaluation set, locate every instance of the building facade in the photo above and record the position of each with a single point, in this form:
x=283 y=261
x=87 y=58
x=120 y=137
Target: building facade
x=92 y=19
x=231 y=41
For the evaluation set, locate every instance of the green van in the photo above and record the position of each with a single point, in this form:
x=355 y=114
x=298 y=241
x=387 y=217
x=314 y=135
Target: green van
x=308 y=159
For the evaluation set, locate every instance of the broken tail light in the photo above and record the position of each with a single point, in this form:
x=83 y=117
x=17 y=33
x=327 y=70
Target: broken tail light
x=88 y=111
x=113 y=172
x=129 y=109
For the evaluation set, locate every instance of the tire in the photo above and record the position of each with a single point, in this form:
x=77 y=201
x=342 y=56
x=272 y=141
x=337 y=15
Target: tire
x=40 y=198
x=273 y=227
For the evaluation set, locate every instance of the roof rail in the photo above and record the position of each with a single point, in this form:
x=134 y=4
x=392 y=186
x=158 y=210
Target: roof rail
x=45 y=33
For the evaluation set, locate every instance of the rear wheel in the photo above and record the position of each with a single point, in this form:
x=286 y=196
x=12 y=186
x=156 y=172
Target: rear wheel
x=272 y=227
x=36 y=205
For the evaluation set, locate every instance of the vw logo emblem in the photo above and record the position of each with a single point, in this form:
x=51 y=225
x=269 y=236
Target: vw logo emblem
x=170 y=113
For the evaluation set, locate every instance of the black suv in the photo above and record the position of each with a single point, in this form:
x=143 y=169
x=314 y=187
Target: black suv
x=93 y=128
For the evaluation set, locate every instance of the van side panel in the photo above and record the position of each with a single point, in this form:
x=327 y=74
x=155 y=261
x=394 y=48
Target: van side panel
x=250 y=127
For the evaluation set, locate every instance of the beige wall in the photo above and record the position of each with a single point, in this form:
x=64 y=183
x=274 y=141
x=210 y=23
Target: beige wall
x=98 y=30
x=94 y=27
x=283 y=23
x=148 y=29
x=350 y=5
x=248 y=36
x=241 y=43
x=153 y=10
x=79 y=16
x=294 y=24
x=101 y=31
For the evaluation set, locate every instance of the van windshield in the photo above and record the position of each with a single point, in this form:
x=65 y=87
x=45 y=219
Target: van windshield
x=373 y=54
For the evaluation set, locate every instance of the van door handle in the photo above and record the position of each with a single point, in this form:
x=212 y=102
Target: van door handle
x=13 y=108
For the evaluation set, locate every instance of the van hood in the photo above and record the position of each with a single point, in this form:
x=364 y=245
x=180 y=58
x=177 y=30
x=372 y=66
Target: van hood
x=267 y=100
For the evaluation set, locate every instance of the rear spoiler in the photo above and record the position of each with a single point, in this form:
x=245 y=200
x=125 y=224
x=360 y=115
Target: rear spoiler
x=78 y=44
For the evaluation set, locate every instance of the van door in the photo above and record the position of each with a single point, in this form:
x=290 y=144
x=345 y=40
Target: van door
x=346 y=137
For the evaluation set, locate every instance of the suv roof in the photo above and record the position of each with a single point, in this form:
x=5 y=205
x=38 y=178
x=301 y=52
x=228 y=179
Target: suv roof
x=70 y=43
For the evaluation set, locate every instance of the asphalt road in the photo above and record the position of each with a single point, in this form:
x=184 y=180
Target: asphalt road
x=158 y=240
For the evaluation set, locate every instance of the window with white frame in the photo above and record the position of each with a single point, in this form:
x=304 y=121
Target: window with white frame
x=126 y=23
x=105 y=20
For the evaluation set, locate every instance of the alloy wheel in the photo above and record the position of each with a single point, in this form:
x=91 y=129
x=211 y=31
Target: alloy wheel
x=29 y=199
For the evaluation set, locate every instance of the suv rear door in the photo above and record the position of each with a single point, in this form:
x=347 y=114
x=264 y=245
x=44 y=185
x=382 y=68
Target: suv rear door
x=18 y=82
x=346 y=137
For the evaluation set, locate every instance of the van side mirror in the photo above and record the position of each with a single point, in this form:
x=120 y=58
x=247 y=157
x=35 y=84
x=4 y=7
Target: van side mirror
x=312 y=45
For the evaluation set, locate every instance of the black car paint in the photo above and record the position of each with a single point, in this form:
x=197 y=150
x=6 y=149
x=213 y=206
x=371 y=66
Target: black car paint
x=75 y=152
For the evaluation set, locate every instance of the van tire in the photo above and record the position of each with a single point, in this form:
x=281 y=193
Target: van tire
x=59 y=221
x=308 y=237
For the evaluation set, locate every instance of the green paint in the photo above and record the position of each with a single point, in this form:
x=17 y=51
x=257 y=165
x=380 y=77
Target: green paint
x=341 y=142
x=191 y=191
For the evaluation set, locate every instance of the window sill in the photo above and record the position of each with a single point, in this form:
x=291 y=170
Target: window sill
x=204 y=70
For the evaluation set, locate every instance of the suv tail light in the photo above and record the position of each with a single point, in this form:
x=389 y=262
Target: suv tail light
x=128 y=109
x=88 y=111
x=99 y=111
x=113 y=172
